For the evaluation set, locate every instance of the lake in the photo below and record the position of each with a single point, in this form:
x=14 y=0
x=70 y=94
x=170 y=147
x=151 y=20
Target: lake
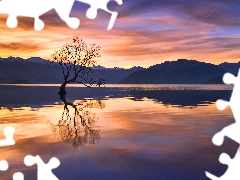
x=118 y=132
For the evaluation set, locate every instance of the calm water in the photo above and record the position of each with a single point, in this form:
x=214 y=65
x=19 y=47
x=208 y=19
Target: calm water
x=124 y=132
x=140 y=86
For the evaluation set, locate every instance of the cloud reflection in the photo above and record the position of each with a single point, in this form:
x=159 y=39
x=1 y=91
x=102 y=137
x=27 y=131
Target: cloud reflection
x=136 y=136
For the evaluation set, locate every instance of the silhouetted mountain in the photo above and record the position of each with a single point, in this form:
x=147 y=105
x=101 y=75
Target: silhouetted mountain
x=37 y=70
x=182 y=71
x=37 y=60
x=114 y=75
x=230 y=67
x=15 y=69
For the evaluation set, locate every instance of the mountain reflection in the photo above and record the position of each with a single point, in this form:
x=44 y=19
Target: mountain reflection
x=182 y=98
x=78 y=128
x=14 y=97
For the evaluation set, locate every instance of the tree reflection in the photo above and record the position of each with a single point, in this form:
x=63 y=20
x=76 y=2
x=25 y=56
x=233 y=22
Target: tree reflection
x=80 y=128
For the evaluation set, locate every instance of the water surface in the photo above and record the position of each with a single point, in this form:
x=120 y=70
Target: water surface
x=132 y=132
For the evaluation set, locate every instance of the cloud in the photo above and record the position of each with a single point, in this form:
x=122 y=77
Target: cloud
x=145 y=31
x=20 y=46
x=221 y=13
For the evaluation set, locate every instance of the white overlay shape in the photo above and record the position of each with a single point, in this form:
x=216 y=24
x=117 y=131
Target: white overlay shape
x=3 y=165
x=232 y=131
x=8 y=132
x=18 y=176
x=44 y=170
x=101 y=4
x=36 y=8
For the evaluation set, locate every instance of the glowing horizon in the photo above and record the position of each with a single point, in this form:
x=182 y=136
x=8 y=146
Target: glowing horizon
x=145 y=33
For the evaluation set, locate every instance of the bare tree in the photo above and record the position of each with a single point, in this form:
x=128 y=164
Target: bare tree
x=76 y=59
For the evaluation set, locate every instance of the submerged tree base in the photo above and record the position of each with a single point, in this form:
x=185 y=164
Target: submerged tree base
x=62 y=92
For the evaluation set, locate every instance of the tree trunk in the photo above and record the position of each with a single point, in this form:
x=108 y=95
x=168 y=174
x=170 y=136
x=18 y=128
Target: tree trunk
x=62 y=92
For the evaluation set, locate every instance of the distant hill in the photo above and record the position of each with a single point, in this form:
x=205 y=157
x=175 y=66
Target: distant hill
x=14 y=69
x=182 y=71
x=230 y=67
x=20 y=81
x=114 y=75
x=36 y=70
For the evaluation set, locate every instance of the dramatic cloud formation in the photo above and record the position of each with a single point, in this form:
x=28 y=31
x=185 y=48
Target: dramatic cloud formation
x=145 y=33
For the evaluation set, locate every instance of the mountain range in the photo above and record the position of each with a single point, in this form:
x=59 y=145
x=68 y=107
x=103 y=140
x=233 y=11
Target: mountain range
x=39 y=71
x=183 y=71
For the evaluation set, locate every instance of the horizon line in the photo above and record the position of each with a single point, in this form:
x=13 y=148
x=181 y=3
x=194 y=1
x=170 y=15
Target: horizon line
x=134 y=66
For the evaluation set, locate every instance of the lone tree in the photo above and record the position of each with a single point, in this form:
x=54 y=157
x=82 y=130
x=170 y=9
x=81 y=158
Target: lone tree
x=76 y=59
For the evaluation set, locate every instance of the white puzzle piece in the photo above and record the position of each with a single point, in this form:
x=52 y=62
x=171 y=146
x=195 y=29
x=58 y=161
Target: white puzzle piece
x=44 y=170
x=8 y=132
x=3 y=165
x=232 y=131
x=36 y=8
x=18 y=176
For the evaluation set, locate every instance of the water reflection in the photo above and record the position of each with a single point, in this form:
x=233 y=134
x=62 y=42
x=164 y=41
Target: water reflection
x=36 y=97
x=143 y=134
x=79 y=128
x=139 y=140
x=182 y=98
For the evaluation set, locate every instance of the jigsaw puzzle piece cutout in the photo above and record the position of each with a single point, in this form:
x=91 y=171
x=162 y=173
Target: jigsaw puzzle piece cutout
x=26 y=8
x=44 y=170
x=8 y=132
x=3 y=165
x=63 y=9
x=36 y=8
x=101 y=4
x=232 y=172
x=222 y=104
x=229 y=78
x=231 y=131
x=18 y=176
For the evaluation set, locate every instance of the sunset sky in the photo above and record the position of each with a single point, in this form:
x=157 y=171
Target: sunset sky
x=145 y=32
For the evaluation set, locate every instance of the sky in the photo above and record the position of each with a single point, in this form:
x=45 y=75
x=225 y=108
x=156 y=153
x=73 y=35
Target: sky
x=146 y=32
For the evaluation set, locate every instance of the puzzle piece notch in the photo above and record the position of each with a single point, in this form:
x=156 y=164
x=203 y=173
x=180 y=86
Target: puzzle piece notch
x=18 y=176
x=231 y=131
x=44 y=170
x=229 y=78
x=232 y=172
x=3 y=165
x=8 y=132
x=221 y=104
x=101 y=4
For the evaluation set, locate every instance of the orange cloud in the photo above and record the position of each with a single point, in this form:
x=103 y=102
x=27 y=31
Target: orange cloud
x=137 y=39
